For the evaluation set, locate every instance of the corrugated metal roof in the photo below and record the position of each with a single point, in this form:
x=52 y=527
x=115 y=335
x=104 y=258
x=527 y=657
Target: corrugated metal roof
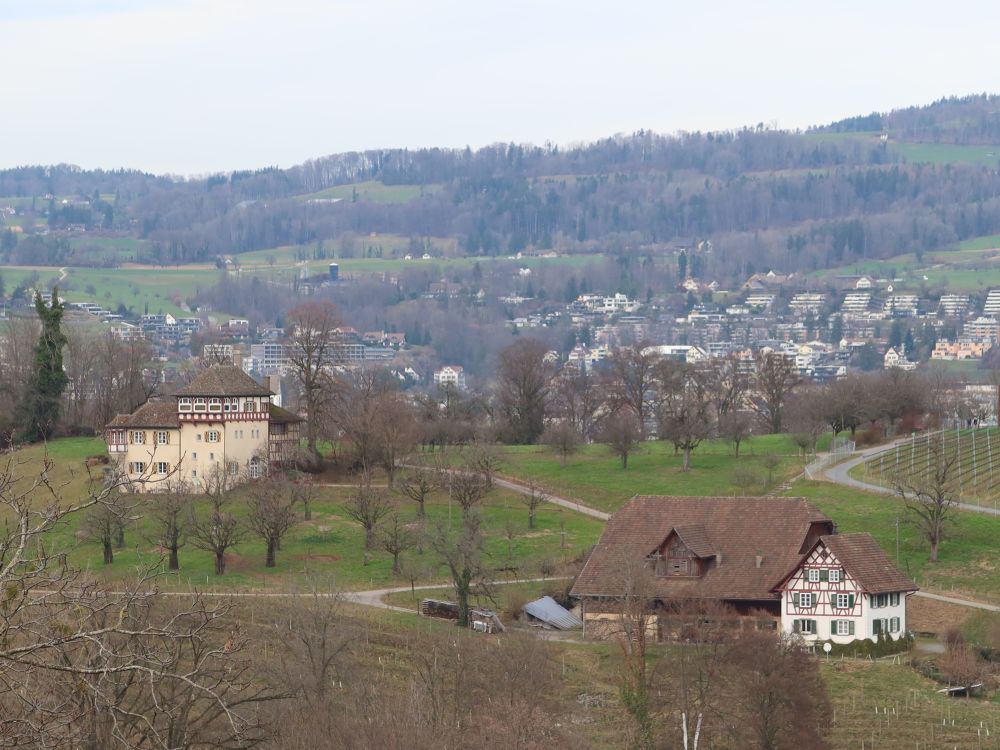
x=549 y=611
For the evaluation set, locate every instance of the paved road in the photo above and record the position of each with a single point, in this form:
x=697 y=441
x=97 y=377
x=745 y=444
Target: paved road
x=840 y=475
x=959 y=602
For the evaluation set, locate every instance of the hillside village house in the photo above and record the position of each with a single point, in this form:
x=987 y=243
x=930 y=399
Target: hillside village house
x=450 y=376
x=775 y=562
x=223 y=421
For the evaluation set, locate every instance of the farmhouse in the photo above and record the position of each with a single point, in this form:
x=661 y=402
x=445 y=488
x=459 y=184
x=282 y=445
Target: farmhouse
x=774 y=562
x=222 y=424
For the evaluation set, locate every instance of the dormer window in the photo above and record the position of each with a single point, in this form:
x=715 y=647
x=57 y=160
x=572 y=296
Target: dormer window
x=199 y=404
x=184 y=404
x=215 y=404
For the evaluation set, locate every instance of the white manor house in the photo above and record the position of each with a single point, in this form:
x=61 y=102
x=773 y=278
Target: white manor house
x=223 y=423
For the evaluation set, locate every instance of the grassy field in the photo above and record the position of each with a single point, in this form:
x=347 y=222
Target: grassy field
x=372 y=191
x=330 y=544
x=594 y=476
x=943 y=153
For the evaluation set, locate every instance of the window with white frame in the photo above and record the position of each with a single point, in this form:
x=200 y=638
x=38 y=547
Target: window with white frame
x=806 y=627
x=215 y=404
x=894 y=599
x=835 y=575
x=162 y=467
x=212 y=436
x=199 y=404
x=184 y=404
x=194 y=473
x=138 y=437
x=233 y=467
x=138 y=467
x=813 y=575
x=842 y=601
x=248 y=405
x=880 y=600
x=893 y=624
x=804 y=599
x=843 y=627
x=162 y=437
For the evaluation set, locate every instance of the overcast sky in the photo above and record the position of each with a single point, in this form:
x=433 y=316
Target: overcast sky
x=194 y=86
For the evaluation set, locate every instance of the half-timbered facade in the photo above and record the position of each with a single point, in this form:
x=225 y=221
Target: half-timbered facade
x=223 y=422
x=845 y=589
x=773 y=562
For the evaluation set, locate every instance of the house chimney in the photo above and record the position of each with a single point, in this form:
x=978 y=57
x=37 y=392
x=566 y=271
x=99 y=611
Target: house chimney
x=760 y=559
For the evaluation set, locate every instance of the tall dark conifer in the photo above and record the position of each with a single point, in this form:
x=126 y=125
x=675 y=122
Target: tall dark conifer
x=41 y=404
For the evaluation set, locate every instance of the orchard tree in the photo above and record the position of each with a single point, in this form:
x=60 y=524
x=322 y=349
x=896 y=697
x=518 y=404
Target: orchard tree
x=524 y=377
x=314 y=347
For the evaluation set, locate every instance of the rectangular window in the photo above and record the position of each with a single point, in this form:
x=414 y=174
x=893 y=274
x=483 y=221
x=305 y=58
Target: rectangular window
x=184 y=404
x=248 y=405
x=162 y=437
x=880 y=600
x=894 y=625
x=194 y=456
x=138 y=438
x=234 y=468
x=894 y=599
x=842 y=601
x=806 y=627
x=805 y=599
x=843 y=627
x=199 y=404
x=162 y=467
x=835 y=575
x=194 y=473
x=212 y=436
x=211 y=456
x=813 y=575
x=215 y=404
x=138 y=467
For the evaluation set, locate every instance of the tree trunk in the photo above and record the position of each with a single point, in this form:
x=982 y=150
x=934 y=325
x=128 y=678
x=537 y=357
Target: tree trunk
x=934 y=550
x=109 y=553
x=687 y=459
x=369 y=538
x=531 y=519
x=173 y=563
x=395 y=564
x=624 y=460
x=307 y=511
x=462 y=586
x=420 y=509
x=737 y=444
x=220 y=563
x=271 y=545
x=121 y=535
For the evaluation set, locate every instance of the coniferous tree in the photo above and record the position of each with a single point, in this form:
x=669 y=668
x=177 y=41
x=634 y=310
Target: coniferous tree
x=41 y=405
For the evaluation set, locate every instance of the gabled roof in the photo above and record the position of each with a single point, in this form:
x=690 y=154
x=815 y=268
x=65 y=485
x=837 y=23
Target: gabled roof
x=695 y=538
x=735 y=529
x=150 y=414
x=223 y=380
x=867 y=563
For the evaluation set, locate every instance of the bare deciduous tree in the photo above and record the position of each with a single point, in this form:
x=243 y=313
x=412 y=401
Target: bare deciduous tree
x=396 y=537
x=216 y=530
x=418 y=485
x=462 y=552
x=563 y=438
x=533 y=499
x=169 y=513
x=523 y=382
x=270 y=513
x=312 y=351
x=368 y=506
x=774 y=379
x=622 y=433
x=930 y=497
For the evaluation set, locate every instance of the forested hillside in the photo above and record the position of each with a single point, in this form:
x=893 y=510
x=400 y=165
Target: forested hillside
x=766 y=199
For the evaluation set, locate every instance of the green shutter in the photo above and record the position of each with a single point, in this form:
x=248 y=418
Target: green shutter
x=796 y=626
x=824 y=575
x=850 y=601
x=795 y=599
x=850 y=627
x=815 y=627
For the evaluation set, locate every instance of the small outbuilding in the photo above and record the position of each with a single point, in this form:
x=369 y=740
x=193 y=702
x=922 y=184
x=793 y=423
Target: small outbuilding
x=549 y=612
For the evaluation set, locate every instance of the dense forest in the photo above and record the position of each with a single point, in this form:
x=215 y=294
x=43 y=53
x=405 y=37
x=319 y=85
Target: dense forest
x=775 y=199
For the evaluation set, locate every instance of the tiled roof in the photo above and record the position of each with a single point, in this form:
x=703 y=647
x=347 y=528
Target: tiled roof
x=224 y=380
x=695 y=538
x=737 y=530
x=867 y=563
x=277 y=415
x=150 y=414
